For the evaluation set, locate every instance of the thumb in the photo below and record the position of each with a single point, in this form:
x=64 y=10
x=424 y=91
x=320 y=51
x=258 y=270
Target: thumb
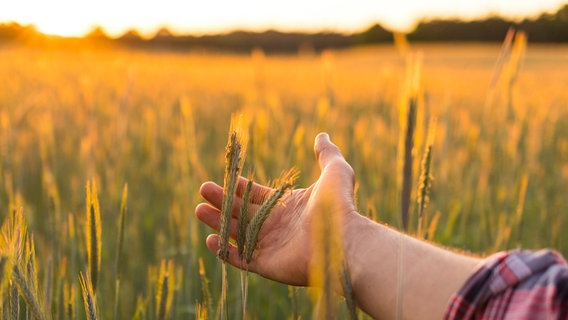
x=336 y=174
x=326 y=152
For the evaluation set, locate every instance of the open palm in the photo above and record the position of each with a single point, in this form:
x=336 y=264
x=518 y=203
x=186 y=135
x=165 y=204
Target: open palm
x=283 y=252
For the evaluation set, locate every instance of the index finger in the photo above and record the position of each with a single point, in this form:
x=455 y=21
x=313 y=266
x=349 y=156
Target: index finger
x=213 y=192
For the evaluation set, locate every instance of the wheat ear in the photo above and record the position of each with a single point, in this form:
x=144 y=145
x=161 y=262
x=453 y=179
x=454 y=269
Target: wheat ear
x=93 y=234
x=255 y=225
x=88 y=296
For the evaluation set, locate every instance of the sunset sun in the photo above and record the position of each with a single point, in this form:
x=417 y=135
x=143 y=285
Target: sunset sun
x=58 y=27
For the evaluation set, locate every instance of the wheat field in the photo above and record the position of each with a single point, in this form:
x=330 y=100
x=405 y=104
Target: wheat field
x=158 y=122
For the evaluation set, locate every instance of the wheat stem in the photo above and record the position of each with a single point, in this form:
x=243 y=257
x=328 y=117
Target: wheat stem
x=407 y=163
x=120 y=241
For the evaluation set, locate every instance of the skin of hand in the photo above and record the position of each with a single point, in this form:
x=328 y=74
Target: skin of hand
x=391 y=273
x=283 y=252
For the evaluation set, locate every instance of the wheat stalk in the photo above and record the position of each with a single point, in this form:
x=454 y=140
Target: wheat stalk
x=20 y=250
x=327 y=267
x=407 y=163
x=234 y=161
x=504 y=54
x=426 y=178
x=243 y=220
x=207 y=300
x=242 y=224
x=14 y=298
x=93 y=234
x=69 y=294
x=255 y=224
x=520 y=207
x=164 y=289
x=233 y=158
x=88 y=293
x=348 y=291
x=27 y=292
x=120 y=243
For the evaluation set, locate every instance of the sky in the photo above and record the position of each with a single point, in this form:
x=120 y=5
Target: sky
x=78 y=17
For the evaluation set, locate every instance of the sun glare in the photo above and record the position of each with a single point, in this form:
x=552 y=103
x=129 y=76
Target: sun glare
x=58 y=28
x=73 y=18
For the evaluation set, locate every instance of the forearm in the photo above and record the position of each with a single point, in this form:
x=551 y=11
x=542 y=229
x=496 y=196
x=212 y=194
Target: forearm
x=394 y=274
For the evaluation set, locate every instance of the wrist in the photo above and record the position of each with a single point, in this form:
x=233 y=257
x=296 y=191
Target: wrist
x=363 y=243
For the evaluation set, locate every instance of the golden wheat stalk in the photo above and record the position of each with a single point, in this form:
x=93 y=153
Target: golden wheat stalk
x=293 y=296
x=88 y=293
x=164 y=289
x=48 y=296
x=93 y=233
x=433 y=226
x=426 y=178
x=504 y=54
x=5 y=273
x=59 y=303
x=30 y=263
x=141 y=305
x=120 y=243
x=517 y=53
x=201 y=312
x=207 y=303
x=189 y=134
x=326 y=266
x=69 y=296
x=407 y=162
x=242 y=224
x=21 y=249
x=521 y=206
x=28 y=293
x=223 y=308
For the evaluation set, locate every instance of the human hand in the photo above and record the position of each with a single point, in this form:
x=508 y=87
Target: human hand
x=284 y=250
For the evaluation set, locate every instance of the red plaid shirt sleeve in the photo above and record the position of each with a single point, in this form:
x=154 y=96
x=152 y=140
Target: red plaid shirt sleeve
x=515 y=285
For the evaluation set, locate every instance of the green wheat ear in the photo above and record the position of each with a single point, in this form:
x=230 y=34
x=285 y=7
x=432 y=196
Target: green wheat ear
x=243 y=220
x=232 y=158
x=234 y=161
x=255 y=224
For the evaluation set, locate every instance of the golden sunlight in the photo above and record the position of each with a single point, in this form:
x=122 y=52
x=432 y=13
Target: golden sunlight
x=58 y=27
x=76 y=18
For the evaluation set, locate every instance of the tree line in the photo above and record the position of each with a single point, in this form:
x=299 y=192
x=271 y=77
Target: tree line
x=545 y=28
